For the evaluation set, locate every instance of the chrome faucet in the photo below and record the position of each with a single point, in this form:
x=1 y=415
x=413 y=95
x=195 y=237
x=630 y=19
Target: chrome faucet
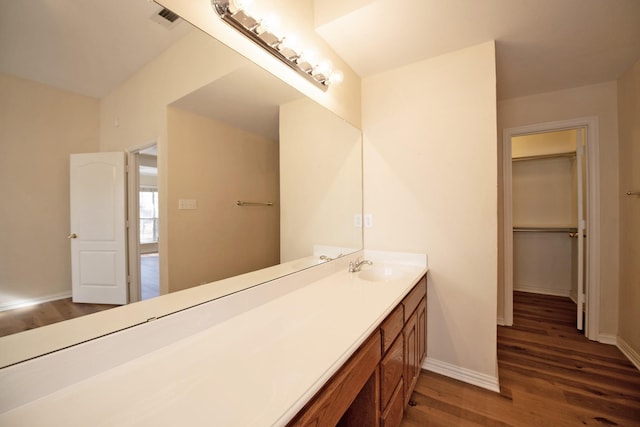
x=355 y=267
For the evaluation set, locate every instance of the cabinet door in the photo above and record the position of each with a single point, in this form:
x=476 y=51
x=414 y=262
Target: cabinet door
x=422 y=333
x=392 y=416
x=391 y=371
x=410 y=334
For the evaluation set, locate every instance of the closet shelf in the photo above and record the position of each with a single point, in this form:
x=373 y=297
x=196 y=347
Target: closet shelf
x=544 y=156
x=546 y=229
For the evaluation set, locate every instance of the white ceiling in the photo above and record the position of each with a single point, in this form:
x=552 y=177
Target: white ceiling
x=248 y=98
x=85 y=46
x=91 y=46
x=541 y=45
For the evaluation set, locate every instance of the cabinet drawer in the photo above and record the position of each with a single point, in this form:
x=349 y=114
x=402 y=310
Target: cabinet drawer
x=391 y=327
x=391 y=368
x=392 y=416
x=411 y=301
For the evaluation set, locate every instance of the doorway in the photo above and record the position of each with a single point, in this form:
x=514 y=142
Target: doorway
x=144 y=255
x=561 y=227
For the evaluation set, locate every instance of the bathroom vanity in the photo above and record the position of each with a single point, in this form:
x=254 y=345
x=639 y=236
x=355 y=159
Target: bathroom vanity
x=374 y=386
x=319 y=347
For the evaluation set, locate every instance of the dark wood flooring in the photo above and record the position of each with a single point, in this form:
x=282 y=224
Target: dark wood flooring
x=550 y=375
x=25 y=318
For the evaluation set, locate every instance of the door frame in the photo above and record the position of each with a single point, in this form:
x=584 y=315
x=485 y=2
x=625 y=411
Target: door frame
x=592 y=273
x=133 y=219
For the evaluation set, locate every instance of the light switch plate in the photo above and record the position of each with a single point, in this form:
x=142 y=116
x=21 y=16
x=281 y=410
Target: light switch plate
x=368 y=221
x=357 y=220
x=187 y=204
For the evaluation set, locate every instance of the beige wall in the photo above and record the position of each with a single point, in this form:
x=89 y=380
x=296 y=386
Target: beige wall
x=218 y=165
x=542 y=192
x=320 y=180
x=134 y=114
x=41 y=126
x=600 y=101
x=543 y=263
x=629 y=122
x=430 y=183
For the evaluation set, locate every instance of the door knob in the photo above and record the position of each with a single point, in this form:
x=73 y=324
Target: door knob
x=72 y=236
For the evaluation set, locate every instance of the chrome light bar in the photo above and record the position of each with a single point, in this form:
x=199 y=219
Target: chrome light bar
x=233 y=13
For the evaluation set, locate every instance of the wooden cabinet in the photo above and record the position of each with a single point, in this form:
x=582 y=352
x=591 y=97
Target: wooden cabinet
x=400 y=365
x=414 y=333
x=374 y=386
x=391 y=371
x=393 y=413
x=410 y=333
x=347 y=386
x=422 y=330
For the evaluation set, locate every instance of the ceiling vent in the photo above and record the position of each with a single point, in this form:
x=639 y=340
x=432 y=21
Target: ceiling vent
x=165 y=17
x=168 y=15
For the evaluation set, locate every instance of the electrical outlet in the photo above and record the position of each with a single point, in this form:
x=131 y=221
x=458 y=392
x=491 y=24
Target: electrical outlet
x=357 y=220
x=368 y=221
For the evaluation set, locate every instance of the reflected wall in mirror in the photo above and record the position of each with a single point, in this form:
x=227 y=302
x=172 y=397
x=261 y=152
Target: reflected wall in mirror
x=226 y=131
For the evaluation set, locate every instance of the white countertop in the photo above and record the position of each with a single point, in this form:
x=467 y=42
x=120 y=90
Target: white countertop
x=257 y=368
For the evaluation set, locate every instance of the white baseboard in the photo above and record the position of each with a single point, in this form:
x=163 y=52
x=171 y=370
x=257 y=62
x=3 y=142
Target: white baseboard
x=608 y=339
x=462 y=374
x=631 y=354
x=542 y=290
x=501 y=321
x=33 y=301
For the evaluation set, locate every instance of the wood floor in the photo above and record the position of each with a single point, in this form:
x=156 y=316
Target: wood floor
x=149 y=276
x=550 y=375
x=22 y=319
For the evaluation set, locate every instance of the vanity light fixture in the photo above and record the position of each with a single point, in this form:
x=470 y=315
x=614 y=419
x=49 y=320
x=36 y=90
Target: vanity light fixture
x=264 y=32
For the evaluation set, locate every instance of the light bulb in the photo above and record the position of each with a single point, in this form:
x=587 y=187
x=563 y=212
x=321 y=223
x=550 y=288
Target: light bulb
x=309 y=56
x=243 y=4
x=271 y=23
x=324 y=68
x=336 y=77
x=290 y=42
x=247 y=7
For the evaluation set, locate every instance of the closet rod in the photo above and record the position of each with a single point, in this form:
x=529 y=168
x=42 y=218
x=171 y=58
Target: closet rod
x=544 y=156
x=546 y=229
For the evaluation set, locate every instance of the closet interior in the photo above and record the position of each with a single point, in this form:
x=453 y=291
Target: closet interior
x=549 y=207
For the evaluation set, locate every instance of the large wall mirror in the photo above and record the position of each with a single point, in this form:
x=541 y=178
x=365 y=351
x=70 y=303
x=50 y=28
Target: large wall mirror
x=225 y=130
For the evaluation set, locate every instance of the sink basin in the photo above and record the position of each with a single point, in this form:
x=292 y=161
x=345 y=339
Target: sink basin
x=381 y=274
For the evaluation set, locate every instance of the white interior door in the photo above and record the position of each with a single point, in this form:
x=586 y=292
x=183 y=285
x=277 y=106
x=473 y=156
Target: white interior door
x=581 y=227
x=98 y=228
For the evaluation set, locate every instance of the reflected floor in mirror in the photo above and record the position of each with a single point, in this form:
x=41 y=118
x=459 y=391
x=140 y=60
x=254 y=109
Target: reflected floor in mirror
x=149 y=276
x=46 y=313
